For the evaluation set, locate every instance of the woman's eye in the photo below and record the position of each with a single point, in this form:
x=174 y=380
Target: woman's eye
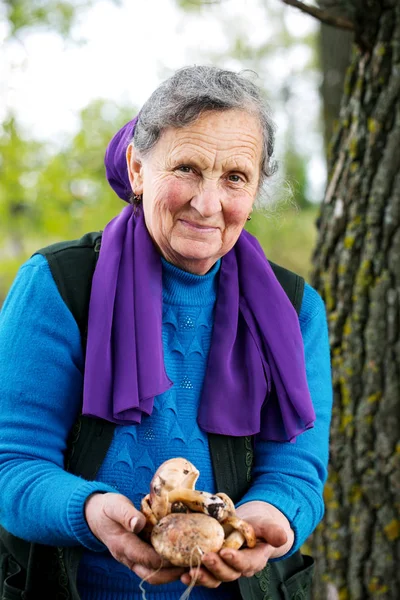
x=184 y=169
x=235 y=178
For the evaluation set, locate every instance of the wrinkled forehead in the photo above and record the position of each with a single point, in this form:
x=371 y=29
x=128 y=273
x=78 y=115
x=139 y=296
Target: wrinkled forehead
x=216 y=136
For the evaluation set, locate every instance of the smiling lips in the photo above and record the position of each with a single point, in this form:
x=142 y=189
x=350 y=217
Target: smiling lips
x=197 y=227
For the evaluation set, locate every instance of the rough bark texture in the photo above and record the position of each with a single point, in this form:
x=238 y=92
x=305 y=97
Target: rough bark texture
x=335 y=51
x=357 y=271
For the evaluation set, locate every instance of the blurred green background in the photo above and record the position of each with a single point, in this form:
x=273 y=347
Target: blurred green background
x=46 y=198
x=55 y=189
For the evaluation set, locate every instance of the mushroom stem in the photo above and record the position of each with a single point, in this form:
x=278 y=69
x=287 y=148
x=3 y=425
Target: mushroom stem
x=234 y=540
x=245 y=530
x=202 y=502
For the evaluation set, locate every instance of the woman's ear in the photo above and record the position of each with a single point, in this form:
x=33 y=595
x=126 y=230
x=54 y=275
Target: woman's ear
x=135 y=170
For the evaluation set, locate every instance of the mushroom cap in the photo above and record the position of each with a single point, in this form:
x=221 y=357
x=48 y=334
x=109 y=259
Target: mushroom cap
x=184 y=538
x=171 y=474
x=174 y=473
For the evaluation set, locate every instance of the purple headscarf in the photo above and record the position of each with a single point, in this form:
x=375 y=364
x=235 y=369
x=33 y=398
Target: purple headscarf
x=256 y=340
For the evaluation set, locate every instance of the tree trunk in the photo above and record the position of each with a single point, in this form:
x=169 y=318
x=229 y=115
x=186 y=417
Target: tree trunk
x=335 y=50
x=357 y=271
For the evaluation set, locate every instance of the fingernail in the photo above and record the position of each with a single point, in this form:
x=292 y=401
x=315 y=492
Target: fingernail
x=132 y=523
x=227 y=555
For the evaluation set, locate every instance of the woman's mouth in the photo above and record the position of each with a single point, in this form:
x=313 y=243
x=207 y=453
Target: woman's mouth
x=197 y=227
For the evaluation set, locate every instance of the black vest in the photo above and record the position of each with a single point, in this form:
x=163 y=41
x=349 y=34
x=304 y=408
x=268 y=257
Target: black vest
x=29 y=571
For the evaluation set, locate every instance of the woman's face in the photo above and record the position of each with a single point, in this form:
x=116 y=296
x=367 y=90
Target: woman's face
x=199 y=184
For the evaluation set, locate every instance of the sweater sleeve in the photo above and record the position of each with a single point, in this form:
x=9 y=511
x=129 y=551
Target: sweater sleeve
x=41 y=366
x=291 y=476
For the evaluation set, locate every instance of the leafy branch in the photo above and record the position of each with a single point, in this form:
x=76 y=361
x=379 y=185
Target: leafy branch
x=322 y=15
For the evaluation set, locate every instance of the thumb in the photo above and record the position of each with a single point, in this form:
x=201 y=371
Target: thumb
x=120 y=509
x=273 y=534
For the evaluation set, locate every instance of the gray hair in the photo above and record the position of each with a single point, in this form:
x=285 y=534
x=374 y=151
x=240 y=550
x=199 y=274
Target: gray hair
x=191 y=91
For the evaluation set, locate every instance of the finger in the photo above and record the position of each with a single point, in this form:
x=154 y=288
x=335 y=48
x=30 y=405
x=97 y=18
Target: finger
x=158 y=577
x=220 y=569
x=129 y=550
x=272 y=533
x=247 y=560
x=120 y=509
x=266 y=528
x=201 y=577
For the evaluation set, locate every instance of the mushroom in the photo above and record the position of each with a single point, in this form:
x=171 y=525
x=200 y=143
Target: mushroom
x=184 y=523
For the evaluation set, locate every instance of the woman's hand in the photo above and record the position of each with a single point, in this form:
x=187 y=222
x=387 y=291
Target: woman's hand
x=115 y=521
x=274 y=539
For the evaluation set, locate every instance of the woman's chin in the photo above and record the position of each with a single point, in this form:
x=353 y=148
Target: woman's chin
x=197 y=252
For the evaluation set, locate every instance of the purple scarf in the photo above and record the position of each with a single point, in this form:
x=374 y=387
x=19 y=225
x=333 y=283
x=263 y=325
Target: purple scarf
x=256 y=337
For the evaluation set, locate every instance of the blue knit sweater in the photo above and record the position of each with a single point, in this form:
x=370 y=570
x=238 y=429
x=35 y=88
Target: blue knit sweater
x=41 y=366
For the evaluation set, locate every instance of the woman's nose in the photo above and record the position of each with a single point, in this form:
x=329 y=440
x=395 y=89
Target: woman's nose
x=207 y=201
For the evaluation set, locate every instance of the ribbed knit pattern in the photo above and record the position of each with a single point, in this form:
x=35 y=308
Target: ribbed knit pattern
x=171 y=430
x=41 y=374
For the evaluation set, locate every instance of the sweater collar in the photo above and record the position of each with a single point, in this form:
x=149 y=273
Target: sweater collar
x=187 y=289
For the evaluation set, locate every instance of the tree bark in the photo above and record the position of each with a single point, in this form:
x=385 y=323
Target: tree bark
x=335 y=50
x=357 y=271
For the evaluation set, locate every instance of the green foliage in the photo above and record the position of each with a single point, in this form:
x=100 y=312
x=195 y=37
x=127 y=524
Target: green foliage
x=73 y=188
x=287 y=237
x=190 y=5
x=20 y=160
x=45 y=197
x=196 y=5
x=55 y=15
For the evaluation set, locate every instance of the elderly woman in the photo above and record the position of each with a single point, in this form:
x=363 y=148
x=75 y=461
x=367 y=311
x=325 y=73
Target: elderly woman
x=190 y=339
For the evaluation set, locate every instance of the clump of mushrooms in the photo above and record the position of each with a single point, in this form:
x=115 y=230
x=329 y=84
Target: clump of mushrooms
x=184 y=523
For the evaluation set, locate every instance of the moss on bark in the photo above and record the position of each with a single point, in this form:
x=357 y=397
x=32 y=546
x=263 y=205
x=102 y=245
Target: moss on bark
x=357 y=271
